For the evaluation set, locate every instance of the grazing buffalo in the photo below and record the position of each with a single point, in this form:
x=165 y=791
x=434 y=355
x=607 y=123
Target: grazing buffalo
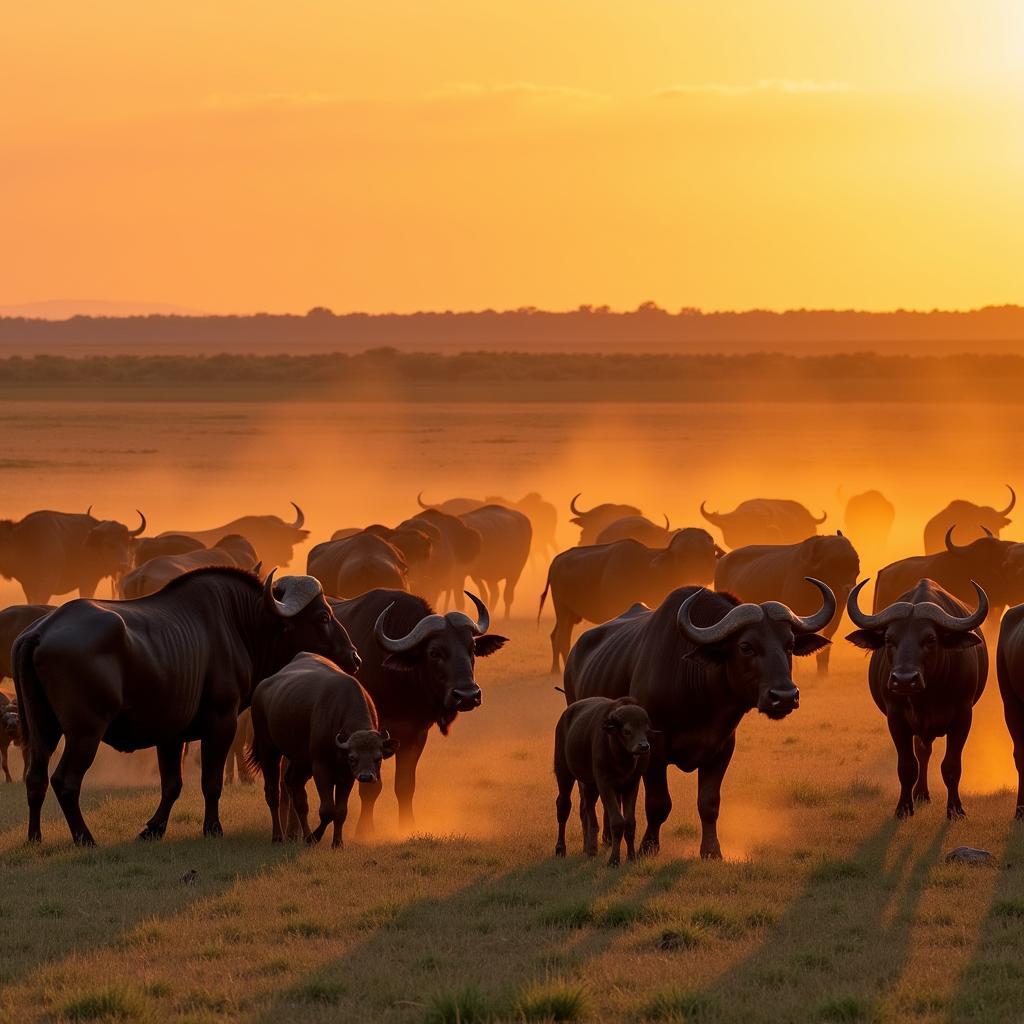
x=10 y=734
x=505 y=539
x=927 y=671
x=324 y=723
x=971 y=522
x=419 y=669
x=764 y=521
x=1010 y=672
x=167 y=544
x=638 y=528
x=593 y=521
x=998 y=565
x=778 y=572
x=596 y=583
x=603 y=745
x=52 y=553
x=356 y=564
x=868 y=518
x=274 y=539
x=14 y=620
x=158 y=672
x=148 y=578
x=697 y=664
x=454 y=546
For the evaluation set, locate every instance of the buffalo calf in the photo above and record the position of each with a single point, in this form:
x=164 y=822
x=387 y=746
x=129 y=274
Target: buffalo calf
x=10 y=734
x=324 y=723
x=603 y=745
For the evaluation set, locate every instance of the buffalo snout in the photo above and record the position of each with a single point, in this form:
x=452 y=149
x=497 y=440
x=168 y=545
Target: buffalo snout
x=908 y=681
x=367 y=777
x=466 y=698
x=780 y=701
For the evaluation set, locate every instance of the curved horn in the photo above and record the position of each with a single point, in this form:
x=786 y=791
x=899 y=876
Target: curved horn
x=899 y=610
x=808 y=623
x=142 y=527
x=988 y=533
x=711 y=517
x=668 y=525
x=950 y=546
x=300 y=518
x=483 y=616
x=427 y=626
x=572 y=507
x=420 y=502
x=88 y=511
x=933 y=613
x=1013 y=501
x=818 y=522
x=735 y=619
x=299 y=591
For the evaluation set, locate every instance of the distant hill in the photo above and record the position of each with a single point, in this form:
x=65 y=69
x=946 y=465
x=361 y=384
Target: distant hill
x=64 y=309
x=994 y=329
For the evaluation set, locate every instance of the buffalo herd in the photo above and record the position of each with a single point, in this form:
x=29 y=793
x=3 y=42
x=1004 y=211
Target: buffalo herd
x=326 y=675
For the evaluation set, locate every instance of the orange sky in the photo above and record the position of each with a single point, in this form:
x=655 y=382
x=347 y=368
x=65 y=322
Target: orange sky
x=257 y=155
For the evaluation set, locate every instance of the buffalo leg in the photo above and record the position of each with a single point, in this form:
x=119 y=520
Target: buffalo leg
x=295 y=779
x=3 y=757
x=822 y=659
x=906 y=765
x=368 y=794
x=952 y=765
x=563 y=805
x=271 y=766
x=168 y=756
x=561 y=638
x=709 y=800
x=325 y=791
x=79 y=754
x=511 y=582
x=341 y=794
x=629 y=813
x=406 y=759
x=611 y=803
x=588 y=817
x=213 y=753
x=37 y=779
x=1013 y=712
x=923 y=753
x=657 y=803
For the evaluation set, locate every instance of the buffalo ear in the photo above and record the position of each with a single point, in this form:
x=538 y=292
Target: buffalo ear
x=488 y=644
x=809 y=643
x=400 y=661
x=867 y=639
x=708 y=654
x=959 y=641
x=389 y=747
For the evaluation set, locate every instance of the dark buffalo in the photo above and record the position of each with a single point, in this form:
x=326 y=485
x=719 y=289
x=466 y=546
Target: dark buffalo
x=419 y=669
x=274 y=539
x=593 y=521
x=167 y=544
x=13 y=621
x=148 y=578
x=505 y=539
x=542 y=514
x=596 y=583
x=362 y=562
x=454 y=546
x=1010 y=672
x=453 y=506
x=998 y=565
x=779 y=572
x=764 y=521
x=868 y=520
x=52 y=553
x=697 y=664
x=971 y=522
x=638 y=528
x=158 y=672
x=413 y=544
x=927 y=671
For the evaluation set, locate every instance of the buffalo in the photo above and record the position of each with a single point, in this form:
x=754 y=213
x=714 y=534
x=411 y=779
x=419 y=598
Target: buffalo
x=14 y=620
x=418 y=667
x=158 y=672
x=697 y=664
x=542 y=514
x=638 y=528
x=927 y=671
x=778 y=572
x=413 y=544
x=274 y=539
x=10 y=734
x=53 y=553
x=868 y=519
x=596 y=583
x=353 y=565
x=147 y=548
x=972 y=521
x=1010 y=673
x=454 y=546
x=592 y=521
x=505 y=539
x=151 y=576
x=764 y=521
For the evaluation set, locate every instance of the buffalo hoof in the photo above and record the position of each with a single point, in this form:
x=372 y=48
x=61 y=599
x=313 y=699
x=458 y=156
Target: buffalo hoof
x=337 y=844
x=955 y=813
x=213 y=831
x=922 y=798
x=904 y=810
x=614 y=862
x=560 y=850
x=151 y=833
x=85 y=839
x=650 y=848
x=34 y=838
x=312 y=839
x=715 y=854
x=277 y=839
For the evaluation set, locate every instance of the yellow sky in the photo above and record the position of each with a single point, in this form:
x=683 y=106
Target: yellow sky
x=432 y=154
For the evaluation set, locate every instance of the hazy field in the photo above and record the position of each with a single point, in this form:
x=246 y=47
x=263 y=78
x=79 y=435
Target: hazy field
x=825 y=909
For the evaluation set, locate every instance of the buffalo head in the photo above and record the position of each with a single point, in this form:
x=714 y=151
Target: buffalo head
x=628 y=725
x=110 y=546
x=363 y=751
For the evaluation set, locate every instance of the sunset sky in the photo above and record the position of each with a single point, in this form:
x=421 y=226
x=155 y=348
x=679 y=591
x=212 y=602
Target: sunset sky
x=432 y=154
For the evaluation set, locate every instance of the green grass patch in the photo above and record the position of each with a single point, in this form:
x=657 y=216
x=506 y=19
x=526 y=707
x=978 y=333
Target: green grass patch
x=676 y=1005
x=622 y=915
x=577 y=914
x=465 y=1005
x=833 y=870
x=844 y=1010
x=1009 y=910
x=106 y=1004
x=321 y=991
x=553 y=1002
x=673 y=939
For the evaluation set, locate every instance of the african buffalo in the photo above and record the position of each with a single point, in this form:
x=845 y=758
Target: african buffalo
x=362 y=562
x=868 y=519
x=413 y=544
x=638 y=528
x=542 y=514
x=274 y=539
x=927 y=671
x=764 y=521
x=597 y=582
x=972 y=521
x=505 y=539
x=697 y=664
x=52 y=553
x=453 y=506
x=454 y=546
x=14 y=620
x=157 y=672
x=778 y=572
x=1010 y=672
x=324 y=723
x=151 y=576
x=419 y=669
x=593 y=521
x=10 y=734
x=167 y=544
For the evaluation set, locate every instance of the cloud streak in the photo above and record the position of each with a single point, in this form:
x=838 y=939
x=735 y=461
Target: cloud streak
x=782 y=86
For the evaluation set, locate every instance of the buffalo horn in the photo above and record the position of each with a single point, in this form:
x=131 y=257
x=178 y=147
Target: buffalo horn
x=300 y=518
x=735 y=619
x=427 y=626
x=298 y=592
x=142 y=525
x=809 y=623
x=1013 y=501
